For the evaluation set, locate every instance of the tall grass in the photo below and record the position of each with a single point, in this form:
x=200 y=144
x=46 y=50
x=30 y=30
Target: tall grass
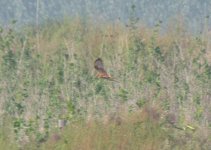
x=164 y=75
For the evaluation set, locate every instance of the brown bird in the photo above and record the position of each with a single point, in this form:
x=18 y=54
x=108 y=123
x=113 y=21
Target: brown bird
x=98 y=64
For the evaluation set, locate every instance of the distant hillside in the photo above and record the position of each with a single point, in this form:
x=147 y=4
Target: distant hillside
x=149 y=11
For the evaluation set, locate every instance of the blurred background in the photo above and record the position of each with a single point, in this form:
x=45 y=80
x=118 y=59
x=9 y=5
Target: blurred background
x=192 y=12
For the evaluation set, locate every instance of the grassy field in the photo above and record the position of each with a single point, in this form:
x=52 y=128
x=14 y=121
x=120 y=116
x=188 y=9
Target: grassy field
x=161 y=99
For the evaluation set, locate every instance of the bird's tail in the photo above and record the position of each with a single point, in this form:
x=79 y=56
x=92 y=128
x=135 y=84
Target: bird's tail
x=106 y=76
x=112 y=79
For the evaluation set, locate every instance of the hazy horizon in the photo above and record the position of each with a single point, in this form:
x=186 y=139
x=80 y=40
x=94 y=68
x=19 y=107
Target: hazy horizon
x=193 y=12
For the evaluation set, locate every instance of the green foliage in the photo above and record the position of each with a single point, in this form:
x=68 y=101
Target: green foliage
x=129 y=135
x=123 y=94
x=141 y=103
x=71 y=109
x=39 y=86
x=6 y=50
x=9 y=60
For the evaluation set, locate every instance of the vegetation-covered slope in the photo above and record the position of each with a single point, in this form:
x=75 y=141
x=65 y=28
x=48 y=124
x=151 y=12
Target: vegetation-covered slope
x=162 y=99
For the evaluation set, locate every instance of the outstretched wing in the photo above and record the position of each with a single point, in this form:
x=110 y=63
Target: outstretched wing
x=99 y=65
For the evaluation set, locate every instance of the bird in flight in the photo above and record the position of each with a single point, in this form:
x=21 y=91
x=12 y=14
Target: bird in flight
x=98 y=64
